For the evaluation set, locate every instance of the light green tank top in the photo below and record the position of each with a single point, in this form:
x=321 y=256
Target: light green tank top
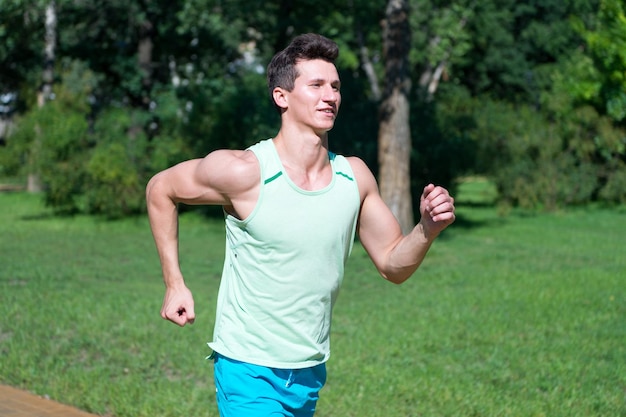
x=283 y=267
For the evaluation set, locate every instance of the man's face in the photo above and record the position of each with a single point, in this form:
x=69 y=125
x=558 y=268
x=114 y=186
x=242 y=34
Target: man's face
x=315 y=98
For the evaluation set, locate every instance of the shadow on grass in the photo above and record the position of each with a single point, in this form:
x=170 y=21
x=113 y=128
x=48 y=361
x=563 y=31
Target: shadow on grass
x=472 y=216
x=40 y=216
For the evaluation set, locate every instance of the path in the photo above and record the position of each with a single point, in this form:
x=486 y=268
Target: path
x=18 y=403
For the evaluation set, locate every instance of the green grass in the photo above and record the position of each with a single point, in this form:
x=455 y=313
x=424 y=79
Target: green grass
x=517 y=316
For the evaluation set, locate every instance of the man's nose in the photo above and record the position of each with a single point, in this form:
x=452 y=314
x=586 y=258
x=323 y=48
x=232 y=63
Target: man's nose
x=330 y=94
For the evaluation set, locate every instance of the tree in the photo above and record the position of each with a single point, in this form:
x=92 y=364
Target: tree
x=440 y=39
x=44 y=93
x=21 y=44
x=605 y=78
x=394 y=135
x=171 y=80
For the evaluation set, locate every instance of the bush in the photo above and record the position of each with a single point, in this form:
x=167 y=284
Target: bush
x=614 y=191
x=49 y=143
x=540 y=163
x=113 y=186
x=94 y=163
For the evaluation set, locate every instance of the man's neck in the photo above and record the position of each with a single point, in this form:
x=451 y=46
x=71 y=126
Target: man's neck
x=306 y=151
x=305 y=158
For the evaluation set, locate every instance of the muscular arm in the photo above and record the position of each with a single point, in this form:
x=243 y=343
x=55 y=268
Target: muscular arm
x=397 y=256
x=226 y=178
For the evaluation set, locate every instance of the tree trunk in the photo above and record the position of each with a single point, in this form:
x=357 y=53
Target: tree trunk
x=47 y=76
x=368 y=67
x=144 y=58
x=394 y=136
x=34 y=184
x=430 y=78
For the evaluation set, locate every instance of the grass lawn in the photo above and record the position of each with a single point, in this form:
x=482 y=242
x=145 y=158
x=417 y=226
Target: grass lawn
x=522 y=315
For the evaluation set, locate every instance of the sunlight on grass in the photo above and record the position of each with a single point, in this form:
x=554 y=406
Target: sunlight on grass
x=508 y=316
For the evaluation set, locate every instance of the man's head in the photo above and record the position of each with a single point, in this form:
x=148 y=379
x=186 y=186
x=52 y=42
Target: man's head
x=282 y=71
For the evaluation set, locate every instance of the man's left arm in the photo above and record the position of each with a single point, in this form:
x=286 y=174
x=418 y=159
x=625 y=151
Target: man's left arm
x=397 y=256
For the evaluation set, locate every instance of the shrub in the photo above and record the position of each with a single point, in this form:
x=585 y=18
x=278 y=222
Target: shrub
x=113 y=186
x=540 y=163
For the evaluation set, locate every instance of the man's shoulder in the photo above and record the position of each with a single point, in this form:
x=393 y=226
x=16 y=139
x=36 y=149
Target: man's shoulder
x=232 y=158
x=359 y=167
x=364 y=177
x=231 y=168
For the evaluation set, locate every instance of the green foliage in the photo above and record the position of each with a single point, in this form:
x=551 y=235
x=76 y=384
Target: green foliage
x=113 y=185
x=98 y=167
x=546 y=183
x=170 y=143
x=21 y=41
x=107 y=36
x=536 y=163
x=520 y=112
x=614 y=190
x=233 y=112
x=49 y=142
x=587 y=132
x=439 y=33
x=61 y=157
x=606 y=40
x=532 y=93
x=444 y=148
x=510 y=40
x=124 y=158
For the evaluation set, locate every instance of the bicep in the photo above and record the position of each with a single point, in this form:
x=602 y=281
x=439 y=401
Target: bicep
x=378 y=229
x=183 y=183
x=209 y=180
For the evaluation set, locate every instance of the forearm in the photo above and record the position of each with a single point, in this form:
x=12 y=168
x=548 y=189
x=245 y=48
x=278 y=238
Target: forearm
x=163 y=216
x=404 y=259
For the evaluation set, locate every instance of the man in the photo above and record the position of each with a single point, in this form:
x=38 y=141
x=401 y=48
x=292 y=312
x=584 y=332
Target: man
x=292 y=209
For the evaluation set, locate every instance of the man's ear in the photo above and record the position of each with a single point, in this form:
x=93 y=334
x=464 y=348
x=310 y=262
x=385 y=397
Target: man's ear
x=280 y=97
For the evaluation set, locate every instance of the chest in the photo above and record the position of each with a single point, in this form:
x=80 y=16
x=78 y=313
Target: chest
x=290 y=217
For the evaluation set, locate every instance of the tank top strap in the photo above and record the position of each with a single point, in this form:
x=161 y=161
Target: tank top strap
x=271 y=167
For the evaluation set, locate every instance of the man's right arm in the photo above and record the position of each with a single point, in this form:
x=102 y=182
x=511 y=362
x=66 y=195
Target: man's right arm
x=215 y=179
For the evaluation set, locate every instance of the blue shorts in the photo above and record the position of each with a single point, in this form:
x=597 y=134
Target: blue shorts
x=245 y=390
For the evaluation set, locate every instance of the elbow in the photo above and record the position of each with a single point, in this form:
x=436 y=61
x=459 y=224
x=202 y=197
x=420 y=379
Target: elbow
x=156 y=193
x=150 y=189
x=398 y=274
x=397 y=277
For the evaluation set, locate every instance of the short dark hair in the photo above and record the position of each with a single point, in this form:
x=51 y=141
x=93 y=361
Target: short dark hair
x=281 y=71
